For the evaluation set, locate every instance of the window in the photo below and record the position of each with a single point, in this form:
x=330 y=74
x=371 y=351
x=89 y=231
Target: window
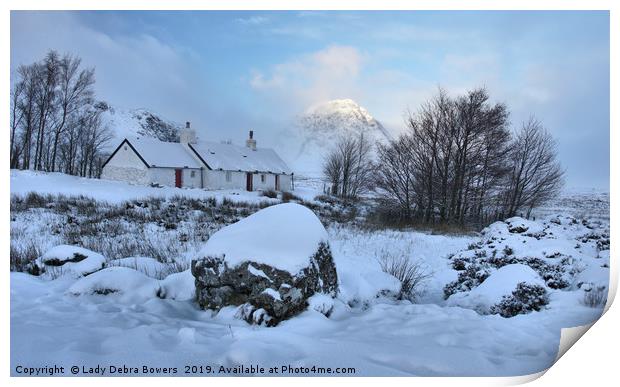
x=125 y=147
x=262 y=178
x=193 y=174
x=228 y=176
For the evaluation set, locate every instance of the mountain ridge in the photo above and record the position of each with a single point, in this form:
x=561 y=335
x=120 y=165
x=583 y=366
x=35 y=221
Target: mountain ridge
x=127 y=123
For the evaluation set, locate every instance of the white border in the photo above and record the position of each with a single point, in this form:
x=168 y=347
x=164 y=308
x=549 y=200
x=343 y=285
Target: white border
x=592 y=362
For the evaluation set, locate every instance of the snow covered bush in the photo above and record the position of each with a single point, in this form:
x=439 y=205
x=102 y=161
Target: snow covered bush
x=499 y=284
x=594 y=296
x=269 y=193
x=22 y=256
x=288 y=196
x=469 y=277
x=474 y=267
x=524 y=299
x=268 y=264
x=411 y=274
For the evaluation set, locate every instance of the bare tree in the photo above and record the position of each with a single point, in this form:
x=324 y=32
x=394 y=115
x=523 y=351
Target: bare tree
x=349 y=167
x=47 y=77
x=457 y=158
x=332 y=170
x=395 y=173
x=55 y=124
x=26 y=106
x=75 y=89
x=17 y=116
x=535 y=174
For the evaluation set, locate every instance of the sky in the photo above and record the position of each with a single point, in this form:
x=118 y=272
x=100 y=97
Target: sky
x=231 y=71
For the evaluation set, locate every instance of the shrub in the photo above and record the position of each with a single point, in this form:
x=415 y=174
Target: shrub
x=553 y=274
x=472 y=276
x=411 y=274
x=269 y=193
x=524 y=299
x=288 y=196
x=327 y=199
x=595 y=297
x=21 y=258
x=35 y=200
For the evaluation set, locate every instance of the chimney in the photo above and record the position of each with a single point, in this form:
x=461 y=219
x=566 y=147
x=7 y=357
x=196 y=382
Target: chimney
x=251 y=142
x=187 y=135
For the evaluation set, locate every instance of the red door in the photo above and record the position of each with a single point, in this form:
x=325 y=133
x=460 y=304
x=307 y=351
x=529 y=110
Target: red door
x=178 y=175
x=248 y=183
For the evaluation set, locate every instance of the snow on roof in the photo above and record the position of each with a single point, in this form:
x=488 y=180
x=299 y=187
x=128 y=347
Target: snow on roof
x=224 y=156
x=231 y=157
x=283 y=236
x=163 y=154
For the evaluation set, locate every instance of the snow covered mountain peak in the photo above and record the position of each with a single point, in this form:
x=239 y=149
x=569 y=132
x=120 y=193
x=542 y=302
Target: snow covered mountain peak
x=322 y=125
x=340 y=106
x=342 y=115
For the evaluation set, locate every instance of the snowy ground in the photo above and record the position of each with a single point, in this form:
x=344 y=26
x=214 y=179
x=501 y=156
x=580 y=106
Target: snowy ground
x=23 y=182
x=56 y=321
x=578 y=202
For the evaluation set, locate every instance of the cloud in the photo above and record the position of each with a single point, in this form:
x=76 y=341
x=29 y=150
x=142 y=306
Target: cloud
x=132 y=70
x=332 y=72
x=418 y=33
x=253 y=20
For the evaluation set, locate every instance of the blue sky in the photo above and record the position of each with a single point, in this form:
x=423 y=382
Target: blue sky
x=231 y=71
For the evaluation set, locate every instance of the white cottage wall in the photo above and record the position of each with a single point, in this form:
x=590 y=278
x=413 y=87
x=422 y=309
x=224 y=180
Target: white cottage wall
x=167 y=177
x=269 y=182
x=191 y=181
x=163 y=176
x=286 y=182
x=126 y=166
x=215 y=179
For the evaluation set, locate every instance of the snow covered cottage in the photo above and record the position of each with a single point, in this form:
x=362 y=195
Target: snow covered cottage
x=198 y=164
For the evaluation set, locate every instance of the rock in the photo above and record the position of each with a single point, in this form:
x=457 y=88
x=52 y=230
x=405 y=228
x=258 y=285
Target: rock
x=268 y=295
x=280 y=271
x=67 y=260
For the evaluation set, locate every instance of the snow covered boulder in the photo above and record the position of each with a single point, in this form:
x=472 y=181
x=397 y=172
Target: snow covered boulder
x=127 y=284
x=269 y=263
x=68 y=260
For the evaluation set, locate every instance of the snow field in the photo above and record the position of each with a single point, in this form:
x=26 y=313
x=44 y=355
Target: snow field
x=134 y=312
